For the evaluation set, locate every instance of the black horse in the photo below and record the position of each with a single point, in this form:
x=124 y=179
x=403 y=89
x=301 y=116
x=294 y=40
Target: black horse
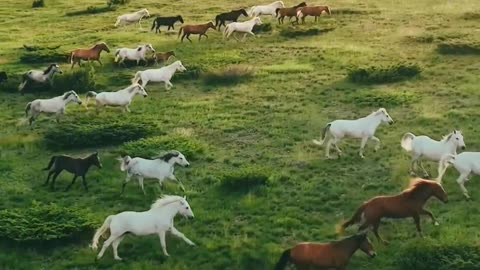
x=233 y=15
x=168 y=21
x=77 y=166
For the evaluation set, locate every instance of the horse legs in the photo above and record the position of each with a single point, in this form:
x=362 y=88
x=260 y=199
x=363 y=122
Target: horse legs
x=140 y=182
x=461 y=182
x=107 y=243
x=244 y=36
x=199 y=37
x=413 y=163
x=188 y=37
x=335 y=141
x=428 y=213
x=161 y=234
x=377 y=143
x=52 y=185
x=375 y=231
x=101 y=64
x=48 y=177
x=126 y=108
x=172 y=177
x=327 y=149
x=84 y=182
x=127 y=179
x=425 y=173
x=168 y=85
x=73 y=181
x=416 y=219
x=362 y=146
x=115 y=244
x=181 y=235
x=183 y=36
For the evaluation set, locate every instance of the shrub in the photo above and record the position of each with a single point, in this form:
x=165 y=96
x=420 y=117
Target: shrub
x=117 y=2
x=38 y=3
x=43 y=222
x=230 y=75
x=376 y=75
x=150 y=147
x=263 y=28
x=43 y=56
x=429 y=255
x=458 y=48
x=91 y=10
x=292 y=33
x=245 y=179
x=73 y=135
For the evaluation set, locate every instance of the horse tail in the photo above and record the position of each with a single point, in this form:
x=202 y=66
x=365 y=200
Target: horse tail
x=27 y=108
x=180 y=32
x=356 y=218
x=406 y=141
x=250 y=12
x=101 y=231
x=71 y=57
x=137 y=77
x=282 y=262
x=153 y=25
x=118 y=21
x=276 y=12
x=217 y=20
x=324 y=134
x=125 y=162
x=443 y=165
x=50 y=164
x=23 y=83
x=89 y=95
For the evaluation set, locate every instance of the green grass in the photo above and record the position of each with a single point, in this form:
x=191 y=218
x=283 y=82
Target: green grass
x=266 y=122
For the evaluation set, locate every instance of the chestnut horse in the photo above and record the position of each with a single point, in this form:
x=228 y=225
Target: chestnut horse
x=409 y=203
x=88 y=54
x=289 y=12
x=199 y=29
x=163 y=57
x=333 y=255
x=313 y=11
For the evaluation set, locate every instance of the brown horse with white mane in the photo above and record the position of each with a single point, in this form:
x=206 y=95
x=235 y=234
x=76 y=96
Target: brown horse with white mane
x=199 y=29
x=92 y=54
x=332 y=255
x=315 y=11
x=407 y=204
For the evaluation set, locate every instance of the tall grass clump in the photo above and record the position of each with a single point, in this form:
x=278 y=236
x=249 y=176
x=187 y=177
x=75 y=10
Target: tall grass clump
x=230 y=75
x=245 y=179
x=38 y=3
x=76 y=136
x=44 y=222
x=379 y=75
x=43 y=56
x=458 y=48
x=91 y=10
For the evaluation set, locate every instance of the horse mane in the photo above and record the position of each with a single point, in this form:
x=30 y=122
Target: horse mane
x=131 y=87
x=46 y=71
x=166 y=157
x=418 y=186
x=166 y=199
x=67 y=94
x=447 y=137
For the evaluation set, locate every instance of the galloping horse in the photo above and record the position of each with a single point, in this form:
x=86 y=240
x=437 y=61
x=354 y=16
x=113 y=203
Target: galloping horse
x=313 y=11
x=465 y=163
x=92 y=54
x=241 y=27
x=163 y=74
x=409 y=203
x=232 y=16
x=199 y=29
x=269 y=9
x=168 y=21
x=39 y=76
x=333 y=255
x=120 y=98
x=137 y=54
x=135 y=17
x=55 y=105
x=163 y=57
x=281 y=13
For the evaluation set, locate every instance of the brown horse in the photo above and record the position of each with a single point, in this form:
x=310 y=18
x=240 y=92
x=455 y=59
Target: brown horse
x=333 y=255
x=289 y=12
x=162 y=57
x=409 y=203
x=315 y=11
x=199 y=29
x=88 y=54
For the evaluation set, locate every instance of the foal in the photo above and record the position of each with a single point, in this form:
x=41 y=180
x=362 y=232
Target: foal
x=409 y=203
x=199 y=29
x=92 y=54
x=77 y=166
x=332 y=255
x=163 y=57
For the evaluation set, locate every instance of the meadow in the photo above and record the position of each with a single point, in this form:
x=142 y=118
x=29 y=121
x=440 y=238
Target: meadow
x=256 y=184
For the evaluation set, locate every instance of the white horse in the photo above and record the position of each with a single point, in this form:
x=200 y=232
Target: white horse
x=163 y=74
x=120 y=98
x=466 y=163
x=137 y=54
x=269 y=9
x=39 y=76
x=158 y=220
x=241 y=27
x=423 y=147
x=54 y=105
x=363 y=128
x=135 y=17
x=160 y=168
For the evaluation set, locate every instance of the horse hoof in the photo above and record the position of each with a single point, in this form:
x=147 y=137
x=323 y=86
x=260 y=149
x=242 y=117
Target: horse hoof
x=436 y=223
x=118 y=258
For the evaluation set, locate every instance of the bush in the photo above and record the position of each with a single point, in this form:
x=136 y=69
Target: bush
x=150 y=147
x=458 y=48
x=44 y=222
x=292 y=33
x=38 y=3
x=245 y=179
x=429 y=255
x=43 y=56
x=377 y=75
x=92 y=10
x=117 y=2
x=230 y=75
x=83 y=135
x=263 y=28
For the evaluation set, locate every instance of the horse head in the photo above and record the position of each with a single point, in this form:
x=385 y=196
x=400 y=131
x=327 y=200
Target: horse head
x=139 y=90
x=179 y=66
x=145 y=12
x=422 y=189
x=457 y=138
x=385 y=117
x=179 y=18
x=257 y=21
x=243 y=12
x=365 y=245
x=96 y=160
x=53 y=68
x=210 y=25
x=71 y=96
x=103 y=46
x=149 y=47
x=185 y=208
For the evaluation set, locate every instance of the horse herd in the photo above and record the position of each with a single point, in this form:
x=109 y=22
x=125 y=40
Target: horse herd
x=159 y=218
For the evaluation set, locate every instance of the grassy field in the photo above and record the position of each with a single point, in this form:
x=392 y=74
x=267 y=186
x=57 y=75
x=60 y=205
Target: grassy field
x=265 y=122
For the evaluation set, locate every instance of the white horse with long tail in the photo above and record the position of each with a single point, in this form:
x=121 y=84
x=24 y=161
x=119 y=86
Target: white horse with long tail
x=363 y=128
x=39 y=76
x=54 y=105
x=158 y=220
x=241 y=27
x=163 y=74
x=466 y=163
x=135 y=17
x=136 y=54
x=424 y=147
x=269 y=9
x=121 y=98
x=160 y=168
